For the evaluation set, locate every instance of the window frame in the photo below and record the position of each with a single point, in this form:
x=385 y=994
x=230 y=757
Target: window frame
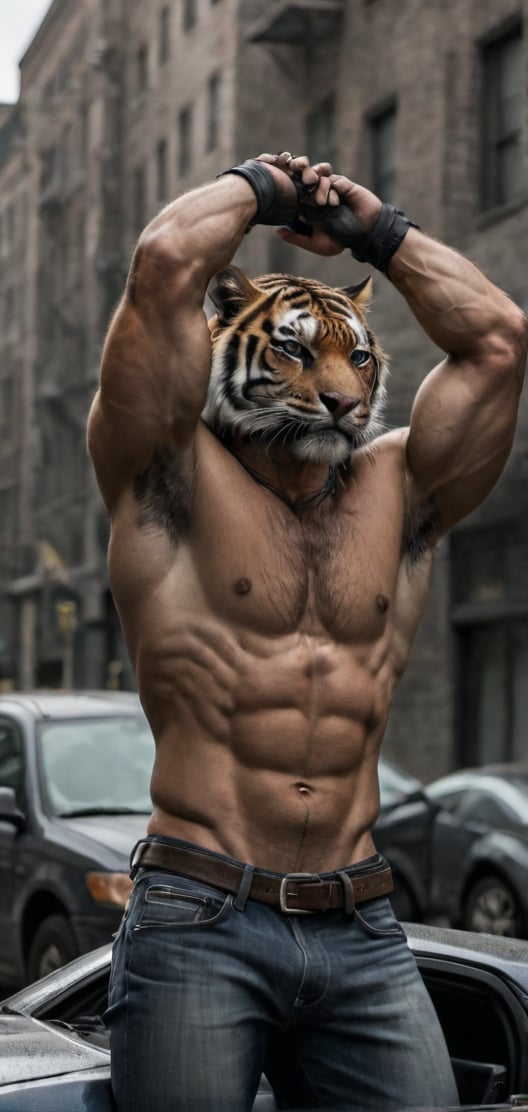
x=185 y=140
x=495 y=139
x=377 y=118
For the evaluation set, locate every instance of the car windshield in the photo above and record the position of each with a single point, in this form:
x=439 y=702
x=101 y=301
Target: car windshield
x=97 y=765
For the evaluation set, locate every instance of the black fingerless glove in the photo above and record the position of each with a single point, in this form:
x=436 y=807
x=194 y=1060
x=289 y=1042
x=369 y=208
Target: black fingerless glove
x=376 y=246
x=275 y=205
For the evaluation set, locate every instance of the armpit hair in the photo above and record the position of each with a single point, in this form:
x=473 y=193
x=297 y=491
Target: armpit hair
x=164 y=497
x=420 y=531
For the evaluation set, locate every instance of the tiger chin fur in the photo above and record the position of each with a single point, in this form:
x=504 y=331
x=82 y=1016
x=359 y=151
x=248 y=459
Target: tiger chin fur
x=294 y=364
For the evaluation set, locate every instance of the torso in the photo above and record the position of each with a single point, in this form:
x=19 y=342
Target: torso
x=267 y=646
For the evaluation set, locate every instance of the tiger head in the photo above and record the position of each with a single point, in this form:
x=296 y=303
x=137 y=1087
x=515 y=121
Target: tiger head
x=294 y=363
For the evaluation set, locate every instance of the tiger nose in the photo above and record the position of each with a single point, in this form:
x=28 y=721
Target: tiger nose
x=339 y=404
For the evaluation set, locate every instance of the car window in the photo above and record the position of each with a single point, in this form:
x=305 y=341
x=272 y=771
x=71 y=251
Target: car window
x=97 y=764
x=487 y=810
x=11 y=758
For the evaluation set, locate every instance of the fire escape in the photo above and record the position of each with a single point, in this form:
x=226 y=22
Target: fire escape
x=292 y=22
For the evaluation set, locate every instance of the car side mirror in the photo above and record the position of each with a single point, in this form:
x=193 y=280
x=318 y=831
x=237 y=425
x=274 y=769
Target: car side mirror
x=9 y=810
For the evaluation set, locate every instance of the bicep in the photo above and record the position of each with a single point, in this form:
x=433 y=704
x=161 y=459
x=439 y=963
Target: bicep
x=461 y=432
x=153 y=384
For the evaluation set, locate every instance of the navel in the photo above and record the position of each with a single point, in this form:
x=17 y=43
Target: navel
x=302 y=788
x=382 y=603
x=242 y=586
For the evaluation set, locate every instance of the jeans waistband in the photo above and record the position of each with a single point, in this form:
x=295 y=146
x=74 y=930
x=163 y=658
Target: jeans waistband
x=293 y=893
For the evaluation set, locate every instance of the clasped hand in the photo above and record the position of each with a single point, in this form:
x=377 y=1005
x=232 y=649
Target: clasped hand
x=334 y=208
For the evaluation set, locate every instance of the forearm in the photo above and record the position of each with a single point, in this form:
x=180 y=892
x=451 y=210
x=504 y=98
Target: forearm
x=459 y=309
x=192 y=238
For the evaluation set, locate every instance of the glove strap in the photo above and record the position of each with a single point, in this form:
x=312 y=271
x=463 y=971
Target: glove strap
x=379 y=244
x=273 y=207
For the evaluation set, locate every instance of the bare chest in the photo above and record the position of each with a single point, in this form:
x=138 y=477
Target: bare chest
x=334 y=568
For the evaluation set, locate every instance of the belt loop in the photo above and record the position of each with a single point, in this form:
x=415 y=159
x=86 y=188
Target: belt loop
x=348 y=892
x=242 y=895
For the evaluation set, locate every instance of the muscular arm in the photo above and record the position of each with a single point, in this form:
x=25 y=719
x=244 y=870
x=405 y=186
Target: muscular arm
x=155 y=363
x=156 y=359
x=463 y=418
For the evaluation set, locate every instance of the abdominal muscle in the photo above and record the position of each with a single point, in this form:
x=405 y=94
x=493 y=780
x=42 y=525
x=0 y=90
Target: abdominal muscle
x=266 y=748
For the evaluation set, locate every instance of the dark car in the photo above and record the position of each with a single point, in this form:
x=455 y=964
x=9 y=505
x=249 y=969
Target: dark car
x=404 y=834
x=54 y=1051
x=74 y=798
x=480 y=854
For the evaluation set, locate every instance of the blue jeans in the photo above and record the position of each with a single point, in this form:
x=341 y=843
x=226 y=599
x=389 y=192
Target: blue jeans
x=330 y=1006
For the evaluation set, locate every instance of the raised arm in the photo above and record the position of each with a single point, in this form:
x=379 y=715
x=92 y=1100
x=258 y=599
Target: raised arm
x=464 y=415
x=156 y=358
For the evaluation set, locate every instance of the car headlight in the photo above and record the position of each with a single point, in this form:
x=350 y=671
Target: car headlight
x=109 y=888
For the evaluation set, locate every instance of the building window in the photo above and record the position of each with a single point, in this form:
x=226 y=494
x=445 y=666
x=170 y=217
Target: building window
x=490 y=621
x=320 y=131
x=6 y=399
x=214 y=111
x=142 y=69
x=164 y=35
x=140 y=199
x=502 y=119
x=189 y=14
x=383 y=126
x=162 y=185
x=185 y=141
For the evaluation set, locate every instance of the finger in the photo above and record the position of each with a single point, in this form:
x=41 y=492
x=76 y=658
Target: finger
x=299 y=162
x=320 y=195
x=324 y=169
x=324 y=194
x=341 y=184
x=317 y=245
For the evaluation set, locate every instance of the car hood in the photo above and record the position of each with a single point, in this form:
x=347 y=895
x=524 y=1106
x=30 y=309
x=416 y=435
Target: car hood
x=33 y=1050
x=115 y=832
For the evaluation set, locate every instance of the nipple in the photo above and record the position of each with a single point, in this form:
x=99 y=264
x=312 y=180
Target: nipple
x=382 y=603
x=242 y=586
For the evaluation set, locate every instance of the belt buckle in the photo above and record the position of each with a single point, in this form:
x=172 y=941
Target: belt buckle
x=299 y=878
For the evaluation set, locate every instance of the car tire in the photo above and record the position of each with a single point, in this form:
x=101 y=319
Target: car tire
x=492 y=906
x=52 y=946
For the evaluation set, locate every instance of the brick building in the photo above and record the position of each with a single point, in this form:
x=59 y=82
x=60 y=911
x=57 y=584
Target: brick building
x=122 y=106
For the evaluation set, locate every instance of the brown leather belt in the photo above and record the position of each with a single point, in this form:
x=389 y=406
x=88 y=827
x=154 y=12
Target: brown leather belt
x=293 y=893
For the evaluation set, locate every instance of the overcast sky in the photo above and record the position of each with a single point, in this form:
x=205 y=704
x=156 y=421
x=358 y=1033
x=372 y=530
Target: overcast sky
x=19 y=19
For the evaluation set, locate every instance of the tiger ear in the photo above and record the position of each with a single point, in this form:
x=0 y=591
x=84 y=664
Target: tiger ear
x=231 y=291
x=361 y=292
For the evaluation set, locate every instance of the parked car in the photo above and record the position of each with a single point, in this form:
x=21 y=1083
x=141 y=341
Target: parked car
x=74 y=798
x=480 y=851
x=54 y=1049
x=404 y=834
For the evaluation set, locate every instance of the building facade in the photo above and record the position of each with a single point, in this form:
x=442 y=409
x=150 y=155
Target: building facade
x=123 y=106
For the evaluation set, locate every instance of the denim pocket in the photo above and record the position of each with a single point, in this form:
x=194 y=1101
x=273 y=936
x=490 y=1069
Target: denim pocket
x=167 y=905
x=378 y=918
